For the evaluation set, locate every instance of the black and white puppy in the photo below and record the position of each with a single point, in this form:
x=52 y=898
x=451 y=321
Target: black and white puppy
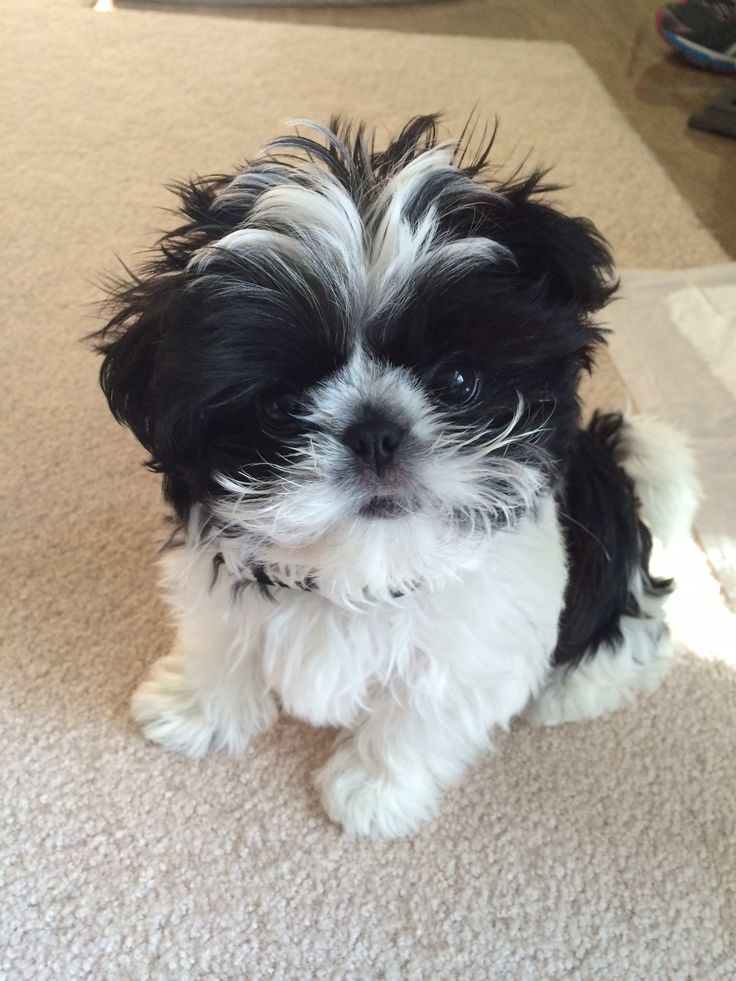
x=358 y=371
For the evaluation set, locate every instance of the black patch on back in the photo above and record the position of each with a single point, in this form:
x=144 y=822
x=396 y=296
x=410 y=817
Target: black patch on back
x=606 y=542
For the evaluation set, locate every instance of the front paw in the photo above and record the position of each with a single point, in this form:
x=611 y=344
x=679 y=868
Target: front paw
x=371 y=801
x=169 y=712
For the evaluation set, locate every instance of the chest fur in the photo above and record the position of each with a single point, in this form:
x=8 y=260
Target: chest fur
x=324 y=661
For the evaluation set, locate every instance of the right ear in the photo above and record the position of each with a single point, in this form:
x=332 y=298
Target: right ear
x=138 y=362
x=131 y=345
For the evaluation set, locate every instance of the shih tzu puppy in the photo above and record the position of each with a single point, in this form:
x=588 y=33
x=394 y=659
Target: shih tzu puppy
x=357 y=371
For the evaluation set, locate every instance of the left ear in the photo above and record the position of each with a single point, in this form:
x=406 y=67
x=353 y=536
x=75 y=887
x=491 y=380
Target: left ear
x=567 y=257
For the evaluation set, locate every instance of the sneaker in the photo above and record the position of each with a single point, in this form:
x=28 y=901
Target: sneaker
x=704 y=31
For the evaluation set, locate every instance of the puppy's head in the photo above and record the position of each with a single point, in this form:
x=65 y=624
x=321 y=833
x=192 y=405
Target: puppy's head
x=350 y=357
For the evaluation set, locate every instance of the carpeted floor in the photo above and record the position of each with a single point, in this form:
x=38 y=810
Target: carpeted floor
x=268 y=3
x=599 y=851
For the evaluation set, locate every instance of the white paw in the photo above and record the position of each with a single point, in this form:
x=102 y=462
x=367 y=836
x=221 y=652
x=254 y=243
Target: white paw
x=371 y=801
x=169 y=712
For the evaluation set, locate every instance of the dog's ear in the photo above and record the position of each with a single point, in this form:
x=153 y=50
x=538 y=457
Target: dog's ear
x=567 y=257
x=132 y=344
x=143 y=375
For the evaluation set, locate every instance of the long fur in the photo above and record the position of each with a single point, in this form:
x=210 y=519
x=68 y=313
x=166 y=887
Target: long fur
x=472 y=549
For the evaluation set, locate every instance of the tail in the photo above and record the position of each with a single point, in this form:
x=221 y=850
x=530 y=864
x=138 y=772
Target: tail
x=659 y=461
x=630 y=479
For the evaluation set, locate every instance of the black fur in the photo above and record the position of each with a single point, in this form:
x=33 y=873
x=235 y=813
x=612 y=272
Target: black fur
x=606 y=541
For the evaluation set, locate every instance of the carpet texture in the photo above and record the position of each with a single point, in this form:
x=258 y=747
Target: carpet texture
x=603 y=850
x=243 y=4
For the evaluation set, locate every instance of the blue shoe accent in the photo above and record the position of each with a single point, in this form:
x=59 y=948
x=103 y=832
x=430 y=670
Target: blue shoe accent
x=708 y=59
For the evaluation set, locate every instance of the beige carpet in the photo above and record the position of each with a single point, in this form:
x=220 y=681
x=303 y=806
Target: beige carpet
x=599 y=851
x=197 y=4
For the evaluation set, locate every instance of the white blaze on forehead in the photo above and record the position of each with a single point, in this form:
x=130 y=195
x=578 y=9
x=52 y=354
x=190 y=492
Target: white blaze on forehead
x=324 y=221
x=395 y=241
x=402 y=249
x=364 y=384
x=309 y=224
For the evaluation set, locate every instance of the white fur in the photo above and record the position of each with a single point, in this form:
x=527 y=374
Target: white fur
x=659 y=461
x=418 y=685
x=614 y=675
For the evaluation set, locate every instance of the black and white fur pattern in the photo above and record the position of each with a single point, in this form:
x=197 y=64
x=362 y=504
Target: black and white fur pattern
x=357 y=371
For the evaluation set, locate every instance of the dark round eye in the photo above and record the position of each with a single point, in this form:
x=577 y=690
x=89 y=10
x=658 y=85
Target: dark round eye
x=456 y=383
x=278 y=408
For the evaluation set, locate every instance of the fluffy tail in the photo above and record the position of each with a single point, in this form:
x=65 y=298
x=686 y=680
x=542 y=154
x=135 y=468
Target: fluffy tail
x=659 y=461
x=635 y=655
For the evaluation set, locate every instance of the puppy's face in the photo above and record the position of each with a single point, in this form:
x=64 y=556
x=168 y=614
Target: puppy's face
x=344 y=346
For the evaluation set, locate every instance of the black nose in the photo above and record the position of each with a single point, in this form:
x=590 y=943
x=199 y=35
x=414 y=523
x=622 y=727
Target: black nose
x=374 y=442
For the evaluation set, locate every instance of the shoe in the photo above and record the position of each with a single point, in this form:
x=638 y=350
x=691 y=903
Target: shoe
x=704 y=31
